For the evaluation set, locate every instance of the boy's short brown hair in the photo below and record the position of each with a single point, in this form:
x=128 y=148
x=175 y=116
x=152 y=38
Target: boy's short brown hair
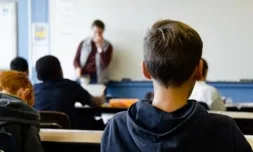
x=172 y=50
x=12 y=81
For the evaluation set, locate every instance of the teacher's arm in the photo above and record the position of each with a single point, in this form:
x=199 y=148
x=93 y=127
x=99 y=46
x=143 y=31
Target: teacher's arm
x=77 y=63
x=106 y=56
x=77 y=56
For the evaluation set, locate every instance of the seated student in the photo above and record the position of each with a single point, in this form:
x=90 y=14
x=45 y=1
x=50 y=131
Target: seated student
x=17 y=116
x=206 y=93
x=172 y=59
x=149 y=96
x=19 y=64
x=58 y=94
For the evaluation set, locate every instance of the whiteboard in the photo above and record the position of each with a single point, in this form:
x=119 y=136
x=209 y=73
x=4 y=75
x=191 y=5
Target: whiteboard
x=224 y=25
x=8 y=33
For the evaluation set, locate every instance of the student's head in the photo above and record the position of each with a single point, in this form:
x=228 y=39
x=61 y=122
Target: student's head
x=17 y=84
x=98 y=28
x=204 y=70
x=172 y=54
x=19 y=64
x=48 y=68
x=149 y=96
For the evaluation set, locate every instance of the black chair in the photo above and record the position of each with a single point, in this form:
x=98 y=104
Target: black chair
x=53 y=119
x=7 y=143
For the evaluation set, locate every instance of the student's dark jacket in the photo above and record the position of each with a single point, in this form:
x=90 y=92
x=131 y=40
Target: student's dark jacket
x=61 y=95
x=144 y=128
x=22 y=121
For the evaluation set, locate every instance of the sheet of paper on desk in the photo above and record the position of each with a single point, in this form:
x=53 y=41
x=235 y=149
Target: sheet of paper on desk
x=95 y=89
x=106 y=117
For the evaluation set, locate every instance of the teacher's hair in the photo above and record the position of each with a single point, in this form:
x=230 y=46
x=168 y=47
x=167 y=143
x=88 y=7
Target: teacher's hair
x=99 y=24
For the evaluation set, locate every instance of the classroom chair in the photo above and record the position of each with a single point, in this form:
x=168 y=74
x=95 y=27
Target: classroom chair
x=53 y=119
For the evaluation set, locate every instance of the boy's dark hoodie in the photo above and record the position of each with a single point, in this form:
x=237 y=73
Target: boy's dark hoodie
x=144 y=128
x=21 y=121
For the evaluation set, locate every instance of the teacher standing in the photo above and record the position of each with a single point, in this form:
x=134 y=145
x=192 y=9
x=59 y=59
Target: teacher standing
x=94 y=55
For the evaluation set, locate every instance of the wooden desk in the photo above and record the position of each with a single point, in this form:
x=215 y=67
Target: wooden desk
x=71 y=136
x=250 y=140
x=82 y=137
x=235 y=115
x=244 y=107
x=239 y=105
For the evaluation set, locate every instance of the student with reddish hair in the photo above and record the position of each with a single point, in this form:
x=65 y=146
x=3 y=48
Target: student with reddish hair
x=17 y=116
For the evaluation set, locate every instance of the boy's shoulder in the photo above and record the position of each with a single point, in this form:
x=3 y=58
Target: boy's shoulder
x=220 y=117
x=119 y=118
x=220 y=122
x=227 y=130
x=118 y=122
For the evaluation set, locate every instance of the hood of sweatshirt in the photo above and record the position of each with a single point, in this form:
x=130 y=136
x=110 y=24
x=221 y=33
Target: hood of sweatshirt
x=13 y=109
x=155 y=130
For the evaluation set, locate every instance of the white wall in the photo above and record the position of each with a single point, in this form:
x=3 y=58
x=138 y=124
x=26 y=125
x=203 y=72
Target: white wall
x=8 y=30
x=224 y=25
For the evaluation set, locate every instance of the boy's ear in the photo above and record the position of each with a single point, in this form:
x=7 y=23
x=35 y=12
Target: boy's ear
x=198 y=71
x=145 y=71
x=24 y=93
x=27 y=72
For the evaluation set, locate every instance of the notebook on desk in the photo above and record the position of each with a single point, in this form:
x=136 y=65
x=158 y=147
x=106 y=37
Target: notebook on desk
x=95 y=89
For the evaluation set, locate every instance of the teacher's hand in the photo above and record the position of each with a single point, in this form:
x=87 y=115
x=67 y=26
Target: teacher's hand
x=79 y=72
x=99 y=41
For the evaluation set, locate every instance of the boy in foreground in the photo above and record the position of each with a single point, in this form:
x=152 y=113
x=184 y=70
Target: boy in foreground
x=172 y=59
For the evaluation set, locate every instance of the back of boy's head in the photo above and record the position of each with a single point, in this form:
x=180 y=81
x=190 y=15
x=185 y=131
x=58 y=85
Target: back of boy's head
x=13 y=81
x=205 y=68
x=48 y=68
x=19 y=64
x=172 y=50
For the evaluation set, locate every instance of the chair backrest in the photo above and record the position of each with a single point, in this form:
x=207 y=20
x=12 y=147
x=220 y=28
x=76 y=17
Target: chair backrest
x=55 y=119
x=7 y=142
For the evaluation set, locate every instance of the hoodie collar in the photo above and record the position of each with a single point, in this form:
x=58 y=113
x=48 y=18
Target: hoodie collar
x=152 y=123
x=13 y=109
